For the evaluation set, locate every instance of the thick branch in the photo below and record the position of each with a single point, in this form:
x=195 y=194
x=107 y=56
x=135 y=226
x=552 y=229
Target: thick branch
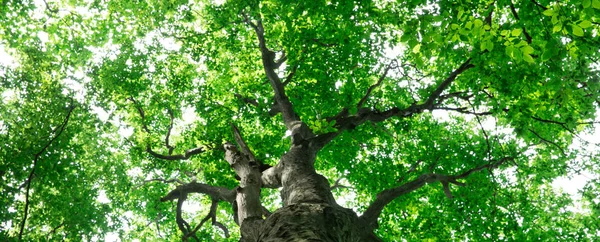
x=438 y=91
x=344 y=122
x=36 y=159
x=269 y=65
x=215 y=192
x=386 y=196
x=241 y=143
x=248 y=193
x=185 y=156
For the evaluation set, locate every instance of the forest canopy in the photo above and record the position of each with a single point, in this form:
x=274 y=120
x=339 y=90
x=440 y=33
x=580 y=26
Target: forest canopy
x=276 y=120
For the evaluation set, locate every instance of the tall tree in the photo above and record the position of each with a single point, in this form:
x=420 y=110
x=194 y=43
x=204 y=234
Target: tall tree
x=276 y=120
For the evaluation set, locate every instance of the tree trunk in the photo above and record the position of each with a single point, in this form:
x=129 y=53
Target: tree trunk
x=309 y=211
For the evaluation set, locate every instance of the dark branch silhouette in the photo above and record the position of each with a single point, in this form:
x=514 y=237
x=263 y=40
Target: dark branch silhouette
x=388 y=195
x=36 y=159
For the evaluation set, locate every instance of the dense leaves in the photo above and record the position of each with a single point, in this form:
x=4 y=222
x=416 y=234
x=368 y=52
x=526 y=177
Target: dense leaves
x=107 y=106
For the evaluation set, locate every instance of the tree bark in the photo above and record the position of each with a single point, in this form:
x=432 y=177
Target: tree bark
x=309 y=212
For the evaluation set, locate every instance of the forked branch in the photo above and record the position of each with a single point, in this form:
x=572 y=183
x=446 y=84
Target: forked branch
x=345 y=122
x=181 y=194
x=388 y=195
x=186 y=155
x=270 y=65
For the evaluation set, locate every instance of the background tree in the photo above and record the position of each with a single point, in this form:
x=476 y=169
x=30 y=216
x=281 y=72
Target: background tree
x=282 y=120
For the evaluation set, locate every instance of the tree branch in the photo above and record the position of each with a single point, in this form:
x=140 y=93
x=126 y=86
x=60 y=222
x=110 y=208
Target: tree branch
x=549 y=142
x=248 y=193
x=539 y=5
x=269 y=65
x=362 y=101
x=438 y=91
x=345 y=122
x=36 y=159
x=188 y=153
x=171 y=148
x=241 y=143
x=514 y=13
x=141 y=112
x=388 y=195
x=212 y=214
x=215 y=192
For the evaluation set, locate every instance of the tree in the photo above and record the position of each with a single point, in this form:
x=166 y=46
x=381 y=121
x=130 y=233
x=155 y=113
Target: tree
x=298 y=120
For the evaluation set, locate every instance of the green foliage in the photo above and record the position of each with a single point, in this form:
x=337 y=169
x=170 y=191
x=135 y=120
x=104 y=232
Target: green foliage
x=95 y=66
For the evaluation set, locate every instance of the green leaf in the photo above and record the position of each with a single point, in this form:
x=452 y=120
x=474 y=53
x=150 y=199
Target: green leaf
x=528 y=58
x=548 y=12
x=417 y=48
x=557 y=28
x=516 y=32
x=586 y=3
x=596 y=4
x=527 y=49
x=578 y=31
x=585 y=24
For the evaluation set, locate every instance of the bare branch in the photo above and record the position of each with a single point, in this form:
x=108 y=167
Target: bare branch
x=337 y=184
x=388 y=195
x=215 y=192
x=212 y=214
x=241 y=143
x=36 y=159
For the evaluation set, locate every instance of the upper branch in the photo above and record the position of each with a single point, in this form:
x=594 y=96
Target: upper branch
x=36 y=158
x=344 y=122
x=388 y=195
x=362 y=101
x=186 y=155
x=215 y=192
x=269 y=65
x=438 y=91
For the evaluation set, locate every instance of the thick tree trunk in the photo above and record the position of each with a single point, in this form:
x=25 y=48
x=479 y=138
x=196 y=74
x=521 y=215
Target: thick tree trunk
x=309 y=211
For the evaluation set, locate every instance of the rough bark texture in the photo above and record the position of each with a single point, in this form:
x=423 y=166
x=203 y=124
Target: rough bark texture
x=311 y=222
x=309 y=211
